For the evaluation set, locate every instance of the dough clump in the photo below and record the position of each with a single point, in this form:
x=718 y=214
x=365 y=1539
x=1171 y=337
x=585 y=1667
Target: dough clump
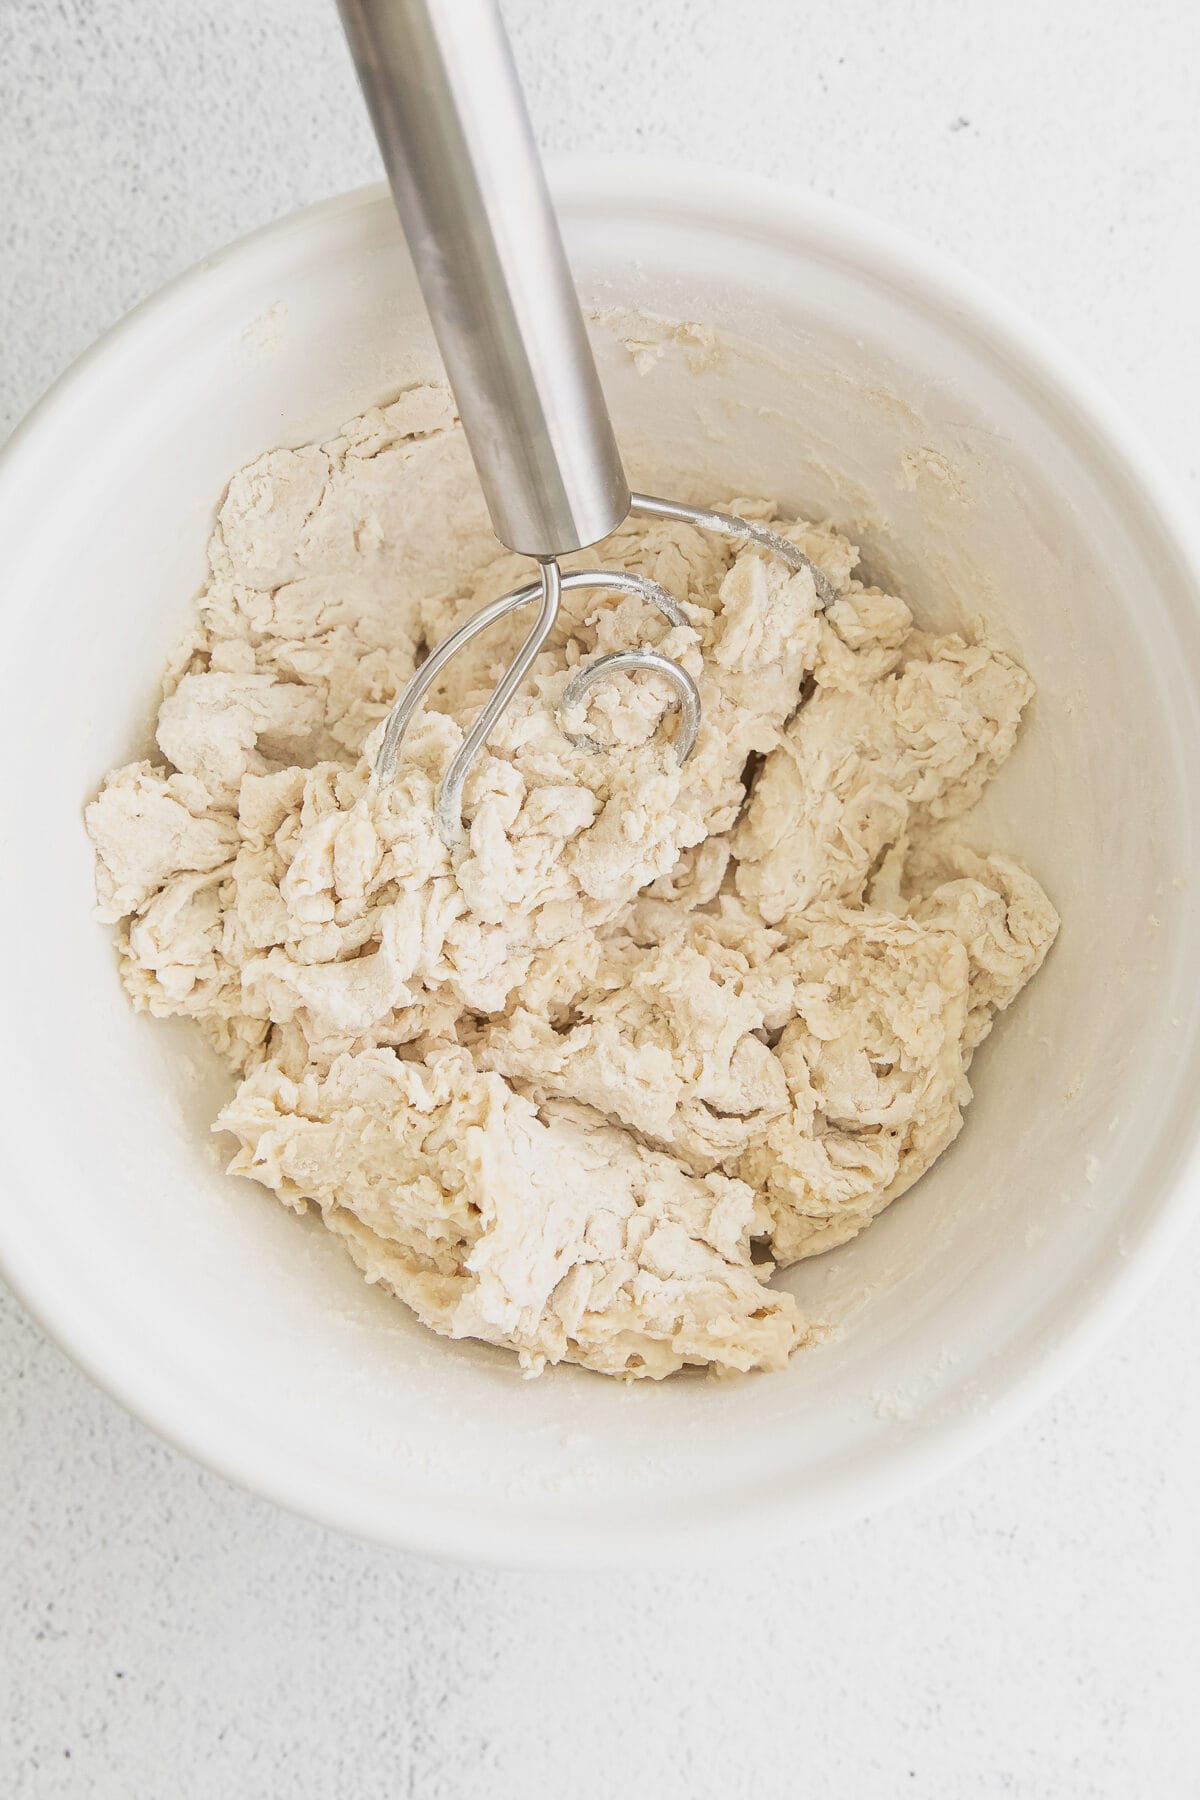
x=578 y=1089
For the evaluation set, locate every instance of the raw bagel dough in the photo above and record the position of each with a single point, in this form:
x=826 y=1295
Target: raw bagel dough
x=567 y=1091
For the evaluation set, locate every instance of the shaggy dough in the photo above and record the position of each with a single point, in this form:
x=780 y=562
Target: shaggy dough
x=577 y=1090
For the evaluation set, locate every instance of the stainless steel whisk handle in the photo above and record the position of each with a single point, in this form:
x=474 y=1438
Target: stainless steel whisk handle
x=446 y=104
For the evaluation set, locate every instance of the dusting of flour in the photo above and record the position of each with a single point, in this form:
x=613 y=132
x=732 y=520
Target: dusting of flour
x=577 y=1089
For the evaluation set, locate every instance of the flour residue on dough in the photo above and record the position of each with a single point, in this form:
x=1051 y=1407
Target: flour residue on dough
x=577 y=1089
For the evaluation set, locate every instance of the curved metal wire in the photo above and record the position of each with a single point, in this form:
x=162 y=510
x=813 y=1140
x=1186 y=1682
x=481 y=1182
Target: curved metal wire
x=401 y=714
x=685 y=700
x=548 y=589
x=448 y=808
x=748 y=531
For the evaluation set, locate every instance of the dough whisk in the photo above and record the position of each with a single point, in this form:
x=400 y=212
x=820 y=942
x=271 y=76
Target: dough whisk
x=450 y=118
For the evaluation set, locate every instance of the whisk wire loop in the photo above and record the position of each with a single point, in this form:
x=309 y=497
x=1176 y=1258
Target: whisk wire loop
x=548 y=590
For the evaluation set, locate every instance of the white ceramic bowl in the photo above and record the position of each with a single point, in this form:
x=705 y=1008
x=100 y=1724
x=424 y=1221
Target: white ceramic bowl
x=858 y=378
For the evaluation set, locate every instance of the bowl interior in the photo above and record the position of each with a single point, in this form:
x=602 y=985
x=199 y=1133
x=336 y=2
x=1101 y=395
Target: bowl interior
x=839 y=383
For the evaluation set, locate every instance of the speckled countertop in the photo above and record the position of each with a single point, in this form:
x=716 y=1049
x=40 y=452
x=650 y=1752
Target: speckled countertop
x=1031 y=1626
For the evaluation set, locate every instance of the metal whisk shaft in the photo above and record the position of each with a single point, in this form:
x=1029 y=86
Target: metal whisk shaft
x=442 y=91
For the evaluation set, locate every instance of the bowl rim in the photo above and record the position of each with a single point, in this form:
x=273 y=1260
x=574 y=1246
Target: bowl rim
x=778 y=214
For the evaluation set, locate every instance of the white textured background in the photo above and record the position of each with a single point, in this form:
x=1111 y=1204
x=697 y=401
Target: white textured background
x=1032 y=1626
